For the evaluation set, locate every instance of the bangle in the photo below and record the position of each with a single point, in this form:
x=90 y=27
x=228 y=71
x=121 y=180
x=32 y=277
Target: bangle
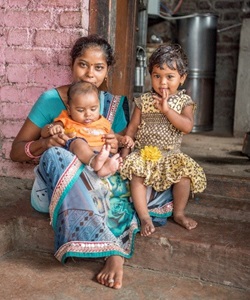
x=90 y=162
x=27 y=150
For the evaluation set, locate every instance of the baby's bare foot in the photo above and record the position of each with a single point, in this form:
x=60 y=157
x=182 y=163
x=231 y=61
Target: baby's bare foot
x=147 y=226
x=101 y=158
x=110 y=166
x=112 y=273
x=185 y=222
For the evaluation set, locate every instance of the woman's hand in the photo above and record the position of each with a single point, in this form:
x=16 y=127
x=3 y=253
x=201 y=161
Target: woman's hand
x=58 y=140
x=111 y=140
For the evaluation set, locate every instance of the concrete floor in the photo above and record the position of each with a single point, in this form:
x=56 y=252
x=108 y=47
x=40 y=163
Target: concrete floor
x=211 y=262
x=38 y=276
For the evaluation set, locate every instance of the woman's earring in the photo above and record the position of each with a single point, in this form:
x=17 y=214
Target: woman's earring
x=104 y=85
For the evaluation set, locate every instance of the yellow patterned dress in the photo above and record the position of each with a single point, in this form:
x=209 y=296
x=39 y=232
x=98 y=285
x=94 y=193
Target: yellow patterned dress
x=157 y=156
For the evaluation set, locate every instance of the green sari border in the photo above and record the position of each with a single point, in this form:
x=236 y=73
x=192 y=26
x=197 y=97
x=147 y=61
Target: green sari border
x=165 y=215
x=64 y=193
x=102 y=254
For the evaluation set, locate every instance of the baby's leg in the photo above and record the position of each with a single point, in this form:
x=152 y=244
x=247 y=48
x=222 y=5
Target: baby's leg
x=181 y=191
x=138 y=192
x=82 y=150
x=110 y=166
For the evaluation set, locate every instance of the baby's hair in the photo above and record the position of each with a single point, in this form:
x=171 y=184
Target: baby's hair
x=169 y=54
x=81 y=87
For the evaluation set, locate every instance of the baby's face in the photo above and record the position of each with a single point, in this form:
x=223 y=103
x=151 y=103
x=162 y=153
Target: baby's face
x=84 y=108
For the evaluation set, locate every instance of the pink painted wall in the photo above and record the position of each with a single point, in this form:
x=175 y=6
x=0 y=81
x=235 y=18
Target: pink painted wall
x=35 y=38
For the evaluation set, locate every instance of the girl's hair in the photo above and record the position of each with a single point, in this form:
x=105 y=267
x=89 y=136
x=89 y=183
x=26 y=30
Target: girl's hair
x=92 y=41
x=170 y=54
x=81 y=87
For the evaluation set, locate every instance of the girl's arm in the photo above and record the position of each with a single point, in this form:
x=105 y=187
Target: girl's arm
x=134 y=122
x=184 y=121
x=28 y=143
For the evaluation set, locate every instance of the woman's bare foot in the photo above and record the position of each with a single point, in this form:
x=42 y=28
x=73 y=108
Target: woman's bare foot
x=185 y=222
x=100 y=159
x=110 y=166
x=112 y=273
x=147 y=226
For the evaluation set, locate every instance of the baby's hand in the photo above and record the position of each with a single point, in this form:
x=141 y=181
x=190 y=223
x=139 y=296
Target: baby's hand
x=127 y=141
x=56 y=129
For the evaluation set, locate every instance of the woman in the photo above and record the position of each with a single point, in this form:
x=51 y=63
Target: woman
x=91 y=217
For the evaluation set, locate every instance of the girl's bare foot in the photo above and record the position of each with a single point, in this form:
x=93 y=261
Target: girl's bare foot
x=100 y=159
x=110 y=166
x=112 y=273
x=147 y=226
x=185 y=222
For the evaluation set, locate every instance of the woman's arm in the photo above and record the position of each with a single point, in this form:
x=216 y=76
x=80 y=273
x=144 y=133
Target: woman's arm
x=22 y=150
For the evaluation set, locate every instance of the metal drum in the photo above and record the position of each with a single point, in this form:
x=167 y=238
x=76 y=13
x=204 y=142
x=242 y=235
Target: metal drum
x=197 y=35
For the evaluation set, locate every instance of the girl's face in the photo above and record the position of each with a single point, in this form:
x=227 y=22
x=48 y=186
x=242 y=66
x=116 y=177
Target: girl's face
x=84 y=108
x=91 y=66
x=165 y=78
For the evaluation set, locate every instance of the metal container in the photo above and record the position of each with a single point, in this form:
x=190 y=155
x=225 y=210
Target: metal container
x=246 y=145
x=197 y=35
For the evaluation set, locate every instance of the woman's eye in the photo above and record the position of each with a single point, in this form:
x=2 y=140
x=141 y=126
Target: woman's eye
x=99 y=68
x=83 y=65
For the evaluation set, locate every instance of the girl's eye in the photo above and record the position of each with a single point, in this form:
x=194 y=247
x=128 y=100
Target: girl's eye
x=80 y=110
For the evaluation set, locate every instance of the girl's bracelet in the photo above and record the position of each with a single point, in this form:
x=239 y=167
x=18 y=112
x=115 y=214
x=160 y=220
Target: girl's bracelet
x=27 y=150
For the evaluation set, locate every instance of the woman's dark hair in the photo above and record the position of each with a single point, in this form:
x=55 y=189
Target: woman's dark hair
x=91 y=41
x=169 y=54
x=81 y=87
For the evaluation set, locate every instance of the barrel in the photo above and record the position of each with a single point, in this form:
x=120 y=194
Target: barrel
x=197 y=35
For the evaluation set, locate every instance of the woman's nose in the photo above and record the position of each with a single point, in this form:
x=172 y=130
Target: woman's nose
x=90 y=72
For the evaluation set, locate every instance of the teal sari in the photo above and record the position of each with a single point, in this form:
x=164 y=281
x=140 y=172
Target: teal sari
x=91 y=217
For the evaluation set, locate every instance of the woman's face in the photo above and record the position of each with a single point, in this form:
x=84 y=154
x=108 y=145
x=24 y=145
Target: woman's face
x=91 y=66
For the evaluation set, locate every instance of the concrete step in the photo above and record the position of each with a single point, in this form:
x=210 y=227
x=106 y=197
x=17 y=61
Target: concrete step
x=217 y=251
x=225 y=198
x=228 y=186
x=33 y=275
x=219 y=208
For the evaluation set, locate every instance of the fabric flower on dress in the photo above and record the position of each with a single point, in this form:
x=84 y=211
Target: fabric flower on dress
x=151 y=153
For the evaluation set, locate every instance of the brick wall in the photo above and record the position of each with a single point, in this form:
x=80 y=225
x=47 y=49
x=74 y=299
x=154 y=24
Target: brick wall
x=35 y=38
x=230 y=15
